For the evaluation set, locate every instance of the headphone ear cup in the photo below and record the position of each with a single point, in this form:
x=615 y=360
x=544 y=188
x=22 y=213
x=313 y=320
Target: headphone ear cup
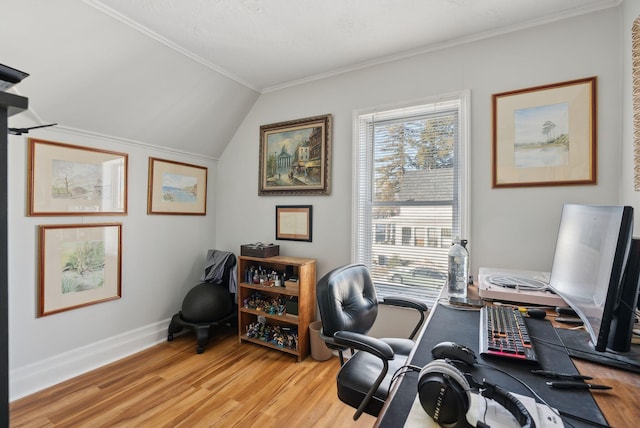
x=444 y=393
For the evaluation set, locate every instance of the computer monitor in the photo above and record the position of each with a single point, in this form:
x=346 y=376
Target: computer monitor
x=595 y=270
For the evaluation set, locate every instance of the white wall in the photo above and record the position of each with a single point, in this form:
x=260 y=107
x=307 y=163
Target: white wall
x=162 y=258
x=511 y=228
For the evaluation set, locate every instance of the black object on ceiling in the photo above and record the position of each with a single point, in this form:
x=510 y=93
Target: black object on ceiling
x=9 y=76
x=20 y=131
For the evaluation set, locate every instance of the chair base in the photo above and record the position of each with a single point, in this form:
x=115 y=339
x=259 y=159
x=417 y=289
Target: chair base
x=202 y=330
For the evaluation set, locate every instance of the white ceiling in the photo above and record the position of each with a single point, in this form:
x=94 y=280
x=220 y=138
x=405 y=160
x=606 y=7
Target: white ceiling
x=265 y=44
x=183 y=74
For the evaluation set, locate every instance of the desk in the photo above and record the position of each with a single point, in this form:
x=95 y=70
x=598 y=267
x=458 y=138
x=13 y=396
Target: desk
x=618 y=406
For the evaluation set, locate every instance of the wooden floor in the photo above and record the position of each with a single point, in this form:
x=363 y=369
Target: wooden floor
x=169 y=385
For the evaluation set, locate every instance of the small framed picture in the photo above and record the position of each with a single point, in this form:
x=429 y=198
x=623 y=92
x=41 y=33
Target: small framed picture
x=80 y=265
x=176 y=188
x=72 y=180
x=545 y=135
x=294 y=222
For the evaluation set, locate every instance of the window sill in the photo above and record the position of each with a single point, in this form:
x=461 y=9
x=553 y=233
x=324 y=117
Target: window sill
x=428 y=295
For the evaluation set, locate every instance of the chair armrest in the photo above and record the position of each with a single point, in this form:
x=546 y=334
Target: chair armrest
x=407 y=302
x=364 y=343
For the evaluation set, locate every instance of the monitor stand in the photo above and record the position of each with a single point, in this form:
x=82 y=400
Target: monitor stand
x=578 y=345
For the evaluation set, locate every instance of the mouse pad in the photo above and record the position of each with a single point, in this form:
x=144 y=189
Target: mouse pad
x=578 y=345
x=461 y=326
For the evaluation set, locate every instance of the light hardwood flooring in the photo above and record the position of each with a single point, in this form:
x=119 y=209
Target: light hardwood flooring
x=170 y=385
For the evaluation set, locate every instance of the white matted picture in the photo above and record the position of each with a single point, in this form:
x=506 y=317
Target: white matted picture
x=80 y=265
x=294 y=222
x=545 y=135
x=176 y=188
x=71 y=180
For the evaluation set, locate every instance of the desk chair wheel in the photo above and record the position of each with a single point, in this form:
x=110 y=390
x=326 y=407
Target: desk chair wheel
x=170 y=338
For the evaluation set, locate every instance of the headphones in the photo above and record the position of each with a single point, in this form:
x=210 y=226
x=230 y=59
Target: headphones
x=444 y=393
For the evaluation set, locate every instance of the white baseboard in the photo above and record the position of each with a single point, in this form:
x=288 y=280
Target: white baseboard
x=50 y=371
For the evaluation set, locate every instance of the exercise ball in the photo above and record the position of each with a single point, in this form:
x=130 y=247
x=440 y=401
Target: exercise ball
x=206 y=303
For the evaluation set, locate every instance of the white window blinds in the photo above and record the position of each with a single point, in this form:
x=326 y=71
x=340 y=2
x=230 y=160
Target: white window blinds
x=410 y=193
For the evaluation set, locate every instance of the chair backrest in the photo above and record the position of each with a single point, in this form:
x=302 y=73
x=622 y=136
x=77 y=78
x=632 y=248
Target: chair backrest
x=347 y=300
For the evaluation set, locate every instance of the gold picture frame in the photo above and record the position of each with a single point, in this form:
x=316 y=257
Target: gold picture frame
x=79 y=265
x=545 y=135
x=295 y=157
x=70 y=180
x=176 y=188
x=294 y=222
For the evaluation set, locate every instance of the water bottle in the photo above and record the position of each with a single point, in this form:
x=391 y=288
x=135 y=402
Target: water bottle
x=457 y=277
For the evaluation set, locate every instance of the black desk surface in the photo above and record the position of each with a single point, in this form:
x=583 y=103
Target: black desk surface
x=461 y=326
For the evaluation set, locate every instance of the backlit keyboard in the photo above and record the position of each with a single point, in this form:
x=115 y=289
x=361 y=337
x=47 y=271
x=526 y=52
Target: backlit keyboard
x=504 y=333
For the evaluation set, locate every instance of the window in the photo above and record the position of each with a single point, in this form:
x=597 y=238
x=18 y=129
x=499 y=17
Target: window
x=406 y=236
x=434 y=237
x=410 y=176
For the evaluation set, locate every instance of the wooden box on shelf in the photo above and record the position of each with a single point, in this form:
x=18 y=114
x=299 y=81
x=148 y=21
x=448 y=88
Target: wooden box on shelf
x=292 y=285
x=258 y=302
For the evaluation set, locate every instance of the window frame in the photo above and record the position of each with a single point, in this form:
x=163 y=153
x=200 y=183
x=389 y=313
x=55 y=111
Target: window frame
x=358 y=185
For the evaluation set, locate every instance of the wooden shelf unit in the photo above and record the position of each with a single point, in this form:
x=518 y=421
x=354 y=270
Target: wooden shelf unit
x=305 y=270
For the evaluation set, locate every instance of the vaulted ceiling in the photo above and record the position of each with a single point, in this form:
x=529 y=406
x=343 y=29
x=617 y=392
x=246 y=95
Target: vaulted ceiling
x=183 y=74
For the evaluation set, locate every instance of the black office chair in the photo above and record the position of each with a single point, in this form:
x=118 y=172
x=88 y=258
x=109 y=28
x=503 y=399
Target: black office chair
x=348 y=308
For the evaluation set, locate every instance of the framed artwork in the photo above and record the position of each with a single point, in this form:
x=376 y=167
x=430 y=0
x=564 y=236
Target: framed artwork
x=545 y=135
x=176 y=188
x=80 y=265
x=68 y=180
x=294 y=222
x=635 y=73
x=295 y=157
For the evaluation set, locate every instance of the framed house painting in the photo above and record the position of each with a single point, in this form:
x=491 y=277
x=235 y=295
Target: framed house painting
x=545 y=135
x=295 y=157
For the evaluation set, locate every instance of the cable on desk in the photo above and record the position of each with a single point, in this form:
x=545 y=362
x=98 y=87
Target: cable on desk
x=403 y=370
x=523 y=383
x=559 y=413
x=510 y=281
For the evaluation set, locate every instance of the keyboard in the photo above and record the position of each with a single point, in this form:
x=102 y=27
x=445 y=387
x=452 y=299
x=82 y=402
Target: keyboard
x=504 y=333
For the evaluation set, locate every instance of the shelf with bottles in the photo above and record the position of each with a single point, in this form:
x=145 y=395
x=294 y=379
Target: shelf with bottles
x=278 y=292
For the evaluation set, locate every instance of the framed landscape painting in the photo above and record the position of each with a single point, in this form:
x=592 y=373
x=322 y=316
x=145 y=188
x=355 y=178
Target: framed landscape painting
x=545 y=135
x=72 y=180
x=80 y=265
x=295 y=157
x=176 y=188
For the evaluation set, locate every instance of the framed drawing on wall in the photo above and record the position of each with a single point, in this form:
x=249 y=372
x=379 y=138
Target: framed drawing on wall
x=80 y=265
x=295 y=157
x=176 y=188
x=545 y=135
x=294 y=222
x=64 y=179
